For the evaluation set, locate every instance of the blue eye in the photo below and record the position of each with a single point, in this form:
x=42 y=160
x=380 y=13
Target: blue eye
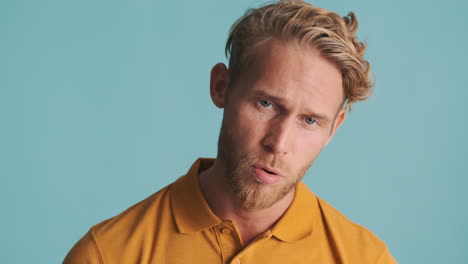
x=310 y=120
x=265 y=103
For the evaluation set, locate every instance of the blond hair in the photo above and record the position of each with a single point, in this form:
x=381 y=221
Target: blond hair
x=299 y=22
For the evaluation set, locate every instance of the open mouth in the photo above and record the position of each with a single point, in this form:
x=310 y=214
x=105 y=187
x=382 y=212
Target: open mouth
x=266 y=176
x=269 y=172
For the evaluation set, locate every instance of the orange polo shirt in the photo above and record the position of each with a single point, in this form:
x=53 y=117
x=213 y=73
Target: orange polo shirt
x=176 y=225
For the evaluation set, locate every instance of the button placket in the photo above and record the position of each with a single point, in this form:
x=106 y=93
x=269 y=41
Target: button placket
x=226 y=231
x=246 y=254
x=227 y=241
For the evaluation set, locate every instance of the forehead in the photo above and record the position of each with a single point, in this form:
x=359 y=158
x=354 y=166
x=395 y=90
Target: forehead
x=301 y=76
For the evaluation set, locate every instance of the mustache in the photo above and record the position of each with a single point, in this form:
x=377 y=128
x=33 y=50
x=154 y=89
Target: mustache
x=272 y=161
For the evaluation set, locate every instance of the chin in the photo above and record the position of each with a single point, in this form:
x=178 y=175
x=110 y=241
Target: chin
x=256 y=195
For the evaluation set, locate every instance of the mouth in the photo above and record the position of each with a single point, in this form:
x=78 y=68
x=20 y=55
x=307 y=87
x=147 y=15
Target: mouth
x=266 y=175
x=270 y=172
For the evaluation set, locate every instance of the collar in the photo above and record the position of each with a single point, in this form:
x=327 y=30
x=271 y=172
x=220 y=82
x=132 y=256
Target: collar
x=190 y=209
x=192 y=213
x=299 y=220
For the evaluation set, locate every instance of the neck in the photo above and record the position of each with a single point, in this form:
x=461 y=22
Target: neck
x=250 y=222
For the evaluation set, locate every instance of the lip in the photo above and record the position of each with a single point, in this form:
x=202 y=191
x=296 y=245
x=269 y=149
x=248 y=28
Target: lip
x=264 y=177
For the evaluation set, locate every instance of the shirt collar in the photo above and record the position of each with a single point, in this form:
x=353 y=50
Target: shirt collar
x=299 y=220
x=191 y=211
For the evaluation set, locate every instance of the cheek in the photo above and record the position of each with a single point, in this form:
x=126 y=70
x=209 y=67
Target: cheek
x=251 y=124
x=309 y=144
x=248 y=124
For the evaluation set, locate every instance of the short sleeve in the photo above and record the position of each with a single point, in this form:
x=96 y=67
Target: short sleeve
x=385 y=257
x=85 y=251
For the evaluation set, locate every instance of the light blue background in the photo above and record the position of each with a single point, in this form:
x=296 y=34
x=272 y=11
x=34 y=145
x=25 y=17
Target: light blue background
x=103 y=103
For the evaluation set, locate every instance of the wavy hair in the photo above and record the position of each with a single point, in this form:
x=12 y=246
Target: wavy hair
x=295 y=21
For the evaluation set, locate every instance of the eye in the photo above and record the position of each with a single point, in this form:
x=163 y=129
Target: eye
x=265 y=103
x=310 y=120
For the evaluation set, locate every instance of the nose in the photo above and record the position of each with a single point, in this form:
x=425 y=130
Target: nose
x=278 y=137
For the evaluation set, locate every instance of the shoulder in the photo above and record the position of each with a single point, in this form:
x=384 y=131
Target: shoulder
x=123 y=232
x=145 y=212
x=358 y=241
x=339 y=222
x=84 y=251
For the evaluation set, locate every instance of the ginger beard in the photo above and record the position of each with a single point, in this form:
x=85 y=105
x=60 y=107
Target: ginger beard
x=241 y=181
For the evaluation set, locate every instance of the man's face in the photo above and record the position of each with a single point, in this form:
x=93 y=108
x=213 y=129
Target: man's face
x=278 y=116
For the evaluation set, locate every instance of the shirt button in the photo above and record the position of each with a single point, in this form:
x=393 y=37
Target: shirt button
x=226 y=231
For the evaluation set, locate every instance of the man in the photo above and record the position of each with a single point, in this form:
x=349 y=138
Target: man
x=293 y=70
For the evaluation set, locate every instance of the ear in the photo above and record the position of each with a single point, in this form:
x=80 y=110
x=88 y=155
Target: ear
x=219 y=82
x=338 y=121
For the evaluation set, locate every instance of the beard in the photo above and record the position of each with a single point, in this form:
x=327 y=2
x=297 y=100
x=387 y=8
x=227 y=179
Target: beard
x=241 y=181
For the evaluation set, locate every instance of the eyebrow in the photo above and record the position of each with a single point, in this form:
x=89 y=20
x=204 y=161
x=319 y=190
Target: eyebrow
x=281 y=103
